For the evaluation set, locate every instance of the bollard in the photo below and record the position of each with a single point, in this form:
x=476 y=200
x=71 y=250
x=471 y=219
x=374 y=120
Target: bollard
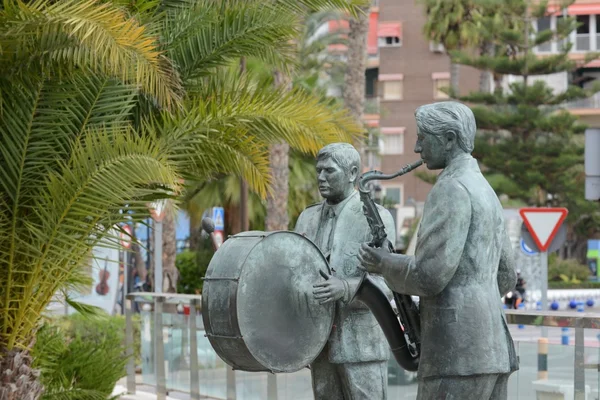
x=521 y=307
x=573 y=304
x=564 y=339
x=542 y=358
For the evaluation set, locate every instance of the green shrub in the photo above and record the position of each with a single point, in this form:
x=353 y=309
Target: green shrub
x=192 y=267
x=569 y=270
x=571 y=285
x=81 y=358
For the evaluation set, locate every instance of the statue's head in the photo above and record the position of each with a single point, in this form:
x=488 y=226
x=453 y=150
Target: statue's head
x=337 y=171
x=445 y=130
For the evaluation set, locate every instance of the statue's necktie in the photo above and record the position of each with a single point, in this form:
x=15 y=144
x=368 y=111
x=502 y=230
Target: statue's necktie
x=326 y=230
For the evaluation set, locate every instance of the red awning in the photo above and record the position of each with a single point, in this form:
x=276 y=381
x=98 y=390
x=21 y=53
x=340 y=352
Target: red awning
x=576 y=9
x=342 y=48
x=372 y=35
x=387 y=29
x=338 y=25
x=396 y=130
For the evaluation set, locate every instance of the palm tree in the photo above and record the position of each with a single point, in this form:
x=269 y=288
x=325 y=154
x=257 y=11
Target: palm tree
x=277 y=216
x=354 y=78
x=65 y=144
x=451 y=23
x=76 y=73
x=200 y=196
x=205 y=38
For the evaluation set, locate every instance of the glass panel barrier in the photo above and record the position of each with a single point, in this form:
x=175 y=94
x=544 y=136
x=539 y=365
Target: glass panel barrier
x=565 y=366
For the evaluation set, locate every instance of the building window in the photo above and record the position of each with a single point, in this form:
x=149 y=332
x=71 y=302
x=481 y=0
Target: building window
x=392 y=90
x=392 y=196
x=392 y=87
x=597 y=17
x=435 y=47
x=582 y=37
x=544 y=24
x=440 y=80
x=392 y=140
x=389 y=34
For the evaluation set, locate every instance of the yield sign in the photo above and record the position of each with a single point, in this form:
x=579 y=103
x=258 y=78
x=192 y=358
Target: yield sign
x=543 y=223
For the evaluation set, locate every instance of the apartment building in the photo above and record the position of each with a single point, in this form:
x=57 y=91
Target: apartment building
x=410 y=72
x=405 y=71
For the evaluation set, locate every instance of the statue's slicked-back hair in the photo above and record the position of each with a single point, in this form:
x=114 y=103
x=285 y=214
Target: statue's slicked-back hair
x=439 y=118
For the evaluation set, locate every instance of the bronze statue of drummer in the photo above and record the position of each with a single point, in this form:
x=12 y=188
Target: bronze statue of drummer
x=353 y=363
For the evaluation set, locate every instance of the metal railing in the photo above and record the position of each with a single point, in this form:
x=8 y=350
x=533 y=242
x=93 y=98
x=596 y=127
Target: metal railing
x=577 y=321
x=588 y=102
x=167 y=314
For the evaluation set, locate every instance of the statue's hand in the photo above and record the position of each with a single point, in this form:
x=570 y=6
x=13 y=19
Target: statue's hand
x=372 y=259
x=331 y=290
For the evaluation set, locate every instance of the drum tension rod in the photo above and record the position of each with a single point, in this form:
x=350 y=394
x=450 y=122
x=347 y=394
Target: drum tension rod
x=223 y=336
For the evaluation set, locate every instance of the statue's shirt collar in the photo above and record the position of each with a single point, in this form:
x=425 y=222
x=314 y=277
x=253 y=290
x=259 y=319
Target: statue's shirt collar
x=462 y=162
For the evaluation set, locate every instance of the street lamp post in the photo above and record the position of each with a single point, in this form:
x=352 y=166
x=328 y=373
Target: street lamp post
x=592 y=164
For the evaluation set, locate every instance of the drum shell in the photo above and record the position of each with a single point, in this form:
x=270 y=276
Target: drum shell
x=219 y=292
x=233 y=270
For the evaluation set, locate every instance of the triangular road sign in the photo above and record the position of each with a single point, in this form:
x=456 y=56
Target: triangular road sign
x=543 y=223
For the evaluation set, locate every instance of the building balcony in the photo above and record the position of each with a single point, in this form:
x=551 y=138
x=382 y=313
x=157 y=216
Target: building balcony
x=371 y=105
x=592 y=102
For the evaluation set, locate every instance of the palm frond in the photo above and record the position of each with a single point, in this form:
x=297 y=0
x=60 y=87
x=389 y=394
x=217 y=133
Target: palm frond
x=202 y=149
x=211 y=34
x=64 y=35
x=272 y=115
x=353 y=7
x=70 y=214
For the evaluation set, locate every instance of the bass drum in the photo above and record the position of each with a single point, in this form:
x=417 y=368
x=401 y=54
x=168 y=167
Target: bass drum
x=258 y=307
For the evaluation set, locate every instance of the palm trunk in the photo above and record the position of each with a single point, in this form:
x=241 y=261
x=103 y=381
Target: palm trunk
x=139 y=264
x=485 y=77
x=277 y=204
x=277 y=215
x=169 y=253
x=454 y=78
x=19 y=381
x=232 y=218
x=195 y=233
x=354 y=79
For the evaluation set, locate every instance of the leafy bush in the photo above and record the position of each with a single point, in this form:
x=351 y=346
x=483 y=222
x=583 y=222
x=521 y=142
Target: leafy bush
x=571 y=285
x=192 y=267
x=81 y=358
x=569 y=270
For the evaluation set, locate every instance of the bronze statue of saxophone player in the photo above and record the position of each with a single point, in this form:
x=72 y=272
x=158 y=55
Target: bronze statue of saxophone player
x=463 y=265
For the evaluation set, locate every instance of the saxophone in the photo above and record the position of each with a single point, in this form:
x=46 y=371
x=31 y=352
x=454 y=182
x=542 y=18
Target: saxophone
x=402 y=331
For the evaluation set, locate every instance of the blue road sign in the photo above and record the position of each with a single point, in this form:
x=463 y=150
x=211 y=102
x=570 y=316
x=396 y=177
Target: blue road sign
x=526 y=249
x=218 y=217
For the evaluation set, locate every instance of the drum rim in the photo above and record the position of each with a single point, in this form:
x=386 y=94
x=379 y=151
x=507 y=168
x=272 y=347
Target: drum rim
x=265 y=235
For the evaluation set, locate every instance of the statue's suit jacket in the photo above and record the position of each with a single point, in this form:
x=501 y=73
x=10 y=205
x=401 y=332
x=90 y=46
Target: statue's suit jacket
x=462 y=266
x=356 y=335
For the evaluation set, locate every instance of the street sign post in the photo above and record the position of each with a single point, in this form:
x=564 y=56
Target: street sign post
x=526 y=249
x=218 y=217
x=543 y=224
x=592 y=164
